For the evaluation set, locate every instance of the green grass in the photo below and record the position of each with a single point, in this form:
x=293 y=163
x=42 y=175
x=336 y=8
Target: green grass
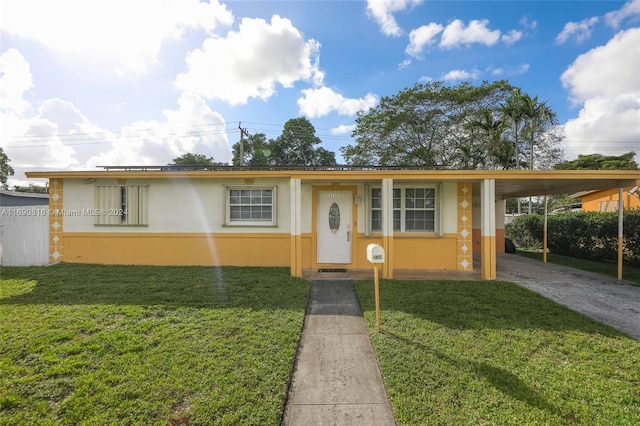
x=127 y=345
x=629 y=273
x=493 y=353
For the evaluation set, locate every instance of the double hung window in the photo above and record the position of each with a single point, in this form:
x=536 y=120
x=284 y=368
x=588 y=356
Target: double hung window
x=414 y=209
x=253 y=206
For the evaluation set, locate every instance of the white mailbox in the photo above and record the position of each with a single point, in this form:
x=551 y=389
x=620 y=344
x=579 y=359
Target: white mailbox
x=375 y=253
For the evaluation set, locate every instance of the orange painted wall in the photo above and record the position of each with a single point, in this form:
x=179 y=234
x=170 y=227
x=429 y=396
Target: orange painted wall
x=178 y=249
x=425 y=253
x=591 y=202
x=499 y=240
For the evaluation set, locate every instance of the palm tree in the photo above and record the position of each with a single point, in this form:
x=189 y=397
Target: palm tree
x=537 y=118
x=512 y=110
x=492 y=129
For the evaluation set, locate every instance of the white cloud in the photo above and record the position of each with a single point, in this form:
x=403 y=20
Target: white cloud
x=528 y=25
x=322 y=101
x=580 y=30
x=193 y=127
x=34 y=141
x=421 y=37
x=343 y=129
x=404 y=64
x=456 y=34
x=60 y=136
x=608 y=70
x=455 y=75
x=518 y=70
x=15 y=80
x=250 y=62
x=605 y=82
x=511 y=37
x=630 y=9
x=127 y=33
x=382 y=12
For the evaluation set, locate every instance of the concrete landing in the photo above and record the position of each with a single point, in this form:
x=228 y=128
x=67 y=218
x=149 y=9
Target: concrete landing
x=337 y=380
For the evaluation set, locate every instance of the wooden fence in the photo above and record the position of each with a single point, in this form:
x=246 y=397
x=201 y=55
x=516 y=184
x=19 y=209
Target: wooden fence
x=24 y=236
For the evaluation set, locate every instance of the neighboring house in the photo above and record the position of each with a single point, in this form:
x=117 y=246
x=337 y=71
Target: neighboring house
x=309 y=218
x=13 y=199
x=606 y=200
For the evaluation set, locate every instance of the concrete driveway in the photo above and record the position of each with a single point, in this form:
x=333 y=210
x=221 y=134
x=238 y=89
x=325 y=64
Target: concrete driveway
x=613 y=302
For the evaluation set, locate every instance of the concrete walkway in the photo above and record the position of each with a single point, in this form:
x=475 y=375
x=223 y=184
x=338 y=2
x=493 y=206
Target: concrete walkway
x=337 y=379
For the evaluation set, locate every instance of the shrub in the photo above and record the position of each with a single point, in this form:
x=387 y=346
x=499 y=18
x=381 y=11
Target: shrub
x=586 y=235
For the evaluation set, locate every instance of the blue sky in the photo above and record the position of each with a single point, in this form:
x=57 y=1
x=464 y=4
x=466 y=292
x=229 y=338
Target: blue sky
x=140 y=82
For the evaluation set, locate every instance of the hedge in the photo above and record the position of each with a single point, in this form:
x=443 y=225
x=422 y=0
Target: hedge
x=585 y=235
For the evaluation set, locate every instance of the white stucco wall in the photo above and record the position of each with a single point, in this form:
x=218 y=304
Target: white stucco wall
x=174 y=205
x=449 y=210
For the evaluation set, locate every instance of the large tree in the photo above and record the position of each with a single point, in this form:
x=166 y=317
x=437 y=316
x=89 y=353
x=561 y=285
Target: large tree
x=600 y=162
x=5 y=169
x=256 y=151
x=296 y=146
x=426 y=125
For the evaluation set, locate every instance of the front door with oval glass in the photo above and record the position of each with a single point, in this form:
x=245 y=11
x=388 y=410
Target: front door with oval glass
x=334 y=221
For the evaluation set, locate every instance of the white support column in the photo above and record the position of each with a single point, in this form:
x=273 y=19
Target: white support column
x=387 y=227
x=295 y=187
x=620 y=230
x=545 y=234
x=488 y=229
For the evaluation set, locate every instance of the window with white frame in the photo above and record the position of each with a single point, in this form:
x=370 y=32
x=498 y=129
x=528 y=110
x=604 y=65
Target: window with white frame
x=121 y=205
x=251 y=206
x=414 y=209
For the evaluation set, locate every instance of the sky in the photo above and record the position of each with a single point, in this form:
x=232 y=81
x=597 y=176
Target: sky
x=89 y=83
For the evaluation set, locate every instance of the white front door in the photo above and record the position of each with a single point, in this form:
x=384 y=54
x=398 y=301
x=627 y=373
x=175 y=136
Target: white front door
x=334 y=227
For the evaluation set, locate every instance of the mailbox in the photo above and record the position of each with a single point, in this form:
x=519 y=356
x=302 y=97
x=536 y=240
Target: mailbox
x=375 y=253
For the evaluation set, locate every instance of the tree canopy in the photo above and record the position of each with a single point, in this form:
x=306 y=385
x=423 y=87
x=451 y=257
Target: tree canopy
x=32 y=188
x=296 y=146
x=462 y=127
x=5 y=169
x=191 y=159
x=601 y=162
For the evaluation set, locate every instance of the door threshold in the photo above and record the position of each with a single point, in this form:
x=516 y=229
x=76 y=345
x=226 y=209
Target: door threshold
x=332 y=270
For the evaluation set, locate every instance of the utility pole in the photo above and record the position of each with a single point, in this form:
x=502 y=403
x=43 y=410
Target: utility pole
x=243 y=132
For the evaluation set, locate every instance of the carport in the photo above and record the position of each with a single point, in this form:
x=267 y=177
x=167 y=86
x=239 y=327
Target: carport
x=519 y=184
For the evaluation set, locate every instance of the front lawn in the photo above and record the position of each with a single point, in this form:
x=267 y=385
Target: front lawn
x=91 y=344
x=464 y=352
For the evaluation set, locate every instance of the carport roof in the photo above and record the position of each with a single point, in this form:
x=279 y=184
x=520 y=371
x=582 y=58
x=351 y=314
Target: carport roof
x=509 y=183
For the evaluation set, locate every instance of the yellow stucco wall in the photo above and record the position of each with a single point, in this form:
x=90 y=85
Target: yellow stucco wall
x=80 y=241
x=178 y=249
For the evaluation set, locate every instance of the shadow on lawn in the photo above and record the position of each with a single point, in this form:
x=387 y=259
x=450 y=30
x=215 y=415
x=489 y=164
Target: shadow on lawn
x=206 y=287
x=499 y=378
x=478 y=305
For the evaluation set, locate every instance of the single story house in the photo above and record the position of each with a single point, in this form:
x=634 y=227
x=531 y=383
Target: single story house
x=606 y=200
x=307 y=218
x=19 y=199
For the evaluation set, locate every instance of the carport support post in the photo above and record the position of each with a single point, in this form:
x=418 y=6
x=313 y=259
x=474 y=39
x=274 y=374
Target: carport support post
x=387 y=227
x=488 y=229
x=620 y=230
x=296 y=227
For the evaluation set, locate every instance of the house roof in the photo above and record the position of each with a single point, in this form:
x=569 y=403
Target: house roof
x=509 y=183
x=584 y=193
x=23 y=194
